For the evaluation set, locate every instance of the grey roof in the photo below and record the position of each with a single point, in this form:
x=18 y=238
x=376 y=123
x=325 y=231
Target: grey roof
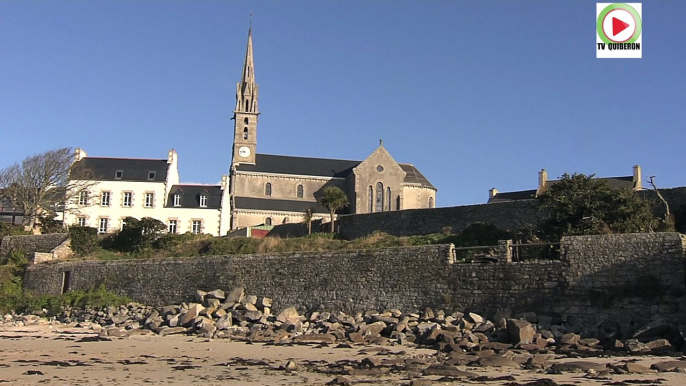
x=190 y=196
x=281 y=164
x=266 y=204
x=513 y=196
x=133 y=169
x=321 y=167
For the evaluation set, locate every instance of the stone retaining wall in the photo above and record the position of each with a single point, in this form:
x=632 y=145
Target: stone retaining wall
x=409 y=278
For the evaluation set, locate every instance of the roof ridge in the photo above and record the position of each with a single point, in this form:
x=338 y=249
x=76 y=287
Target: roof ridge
x=128 y=158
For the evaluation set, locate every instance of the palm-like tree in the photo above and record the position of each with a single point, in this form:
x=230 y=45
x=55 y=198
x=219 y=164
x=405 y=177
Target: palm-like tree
x=333 y=199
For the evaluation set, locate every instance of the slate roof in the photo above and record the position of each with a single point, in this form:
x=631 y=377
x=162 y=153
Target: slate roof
x=321 y=167
x=513 y=196
x=133 y=169
x=266 y=204
x=190 y=196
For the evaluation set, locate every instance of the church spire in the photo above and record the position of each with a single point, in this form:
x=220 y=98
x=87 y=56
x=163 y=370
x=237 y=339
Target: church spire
x=246 y=111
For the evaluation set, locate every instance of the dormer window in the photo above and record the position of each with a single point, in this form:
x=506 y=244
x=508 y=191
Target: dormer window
x=118 y=174
x=151 y=175
x=203 y=201
x=177 y=200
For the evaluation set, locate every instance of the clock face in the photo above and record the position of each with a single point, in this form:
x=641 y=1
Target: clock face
x=244 y=152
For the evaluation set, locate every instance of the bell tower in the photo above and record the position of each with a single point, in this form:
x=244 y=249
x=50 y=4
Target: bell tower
x=246 y=112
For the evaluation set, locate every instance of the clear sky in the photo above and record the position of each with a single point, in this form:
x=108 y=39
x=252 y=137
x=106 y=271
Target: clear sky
x=476 y=94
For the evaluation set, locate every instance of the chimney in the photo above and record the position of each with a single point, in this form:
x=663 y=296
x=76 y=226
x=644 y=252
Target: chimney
x=225 y=182
x=79 y=154
x=492 y=193
x=637 y=178
x=542 y=179
x=172 y=157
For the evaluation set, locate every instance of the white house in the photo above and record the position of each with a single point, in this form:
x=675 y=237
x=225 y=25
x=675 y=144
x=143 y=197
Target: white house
x=136 y=187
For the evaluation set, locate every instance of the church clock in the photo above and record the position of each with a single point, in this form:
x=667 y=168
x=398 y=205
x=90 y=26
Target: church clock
x=244 y=151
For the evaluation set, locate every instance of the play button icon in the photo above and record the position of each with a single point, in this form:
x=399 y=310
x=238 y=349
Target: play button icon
x=618 y=26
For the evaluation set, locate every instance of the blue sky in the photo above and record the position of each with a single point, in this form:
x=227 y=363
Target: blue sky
x=476 y=94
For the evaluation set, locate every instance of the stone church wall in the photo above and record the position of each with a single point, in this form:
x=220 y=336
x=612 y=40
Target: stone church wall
x=634 y=274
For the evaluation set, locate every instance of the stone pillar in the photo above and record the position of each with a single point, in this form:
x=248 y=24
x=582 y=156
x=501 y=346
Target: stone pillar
x=505 y=255
x=638 y=185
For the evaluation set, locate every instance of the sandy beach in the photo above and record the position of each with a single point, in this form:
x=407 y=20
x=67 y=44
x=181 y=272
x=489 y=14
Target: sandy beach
x=56 y=354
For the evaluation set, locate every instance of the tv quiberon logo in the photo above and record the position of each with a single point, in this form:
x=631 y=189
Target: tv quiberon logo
x=619 y=30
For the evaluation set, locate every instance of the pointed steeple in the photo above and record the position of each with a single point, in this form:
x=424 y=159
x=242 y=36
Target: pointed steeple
x=246 y=112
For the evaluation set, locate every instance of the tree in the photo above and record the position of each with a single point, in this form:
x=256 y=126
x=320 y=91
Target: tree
x=583 y=205
x=138 y=236
x=333 y=199
x=308 y=216
x=40 y=185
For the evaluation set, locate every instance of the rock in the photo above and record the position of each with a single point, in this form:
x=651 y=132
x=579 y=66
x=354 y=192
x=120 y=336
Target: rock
x=474 y=318
x=356 y=337
x=590 y=342
x=315 y=338
x=425 y=328
x=224 y=322
x=428 y=314
x=264 y=302
x=528 y=316
x=660 y=345
x=250 y=307
x=289 y=314
x=339 y=381
x=497 y=361
x=216 y=294
x=253 y=316
x=171 y=331
x=656 y=328
x=385 y=319
x=374 y=328
x=200 y=296
x=570 y=338
x=447 y=371
x=206 y=326
x=192 y=313
x=636 y=347
x=291 y=366
x=520 y=331
x=635 y=368
x=250 y=299
x=421 y=382
x=370 y=362
x=236 y=295
x=212 y=303
x=669 y=366
x=580 y=366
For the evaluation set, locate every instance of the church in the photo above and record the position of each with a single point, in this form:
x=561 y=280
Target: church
x=275 y=189
x=260 y=190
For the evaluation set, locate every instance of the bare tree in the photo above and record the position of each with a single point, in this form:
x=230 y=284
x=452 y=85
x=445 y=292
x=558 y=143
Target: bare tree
x=668 y=220
x=40 y=185
x=308 y=216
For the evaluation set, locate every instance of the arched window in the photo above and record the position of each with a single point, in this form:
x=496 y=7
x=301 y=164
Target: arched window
x=388 y=199
x=371 y=199
x=268 y=189
x=268 y=221
x=247 y=105
x=397 y=203
x=431 y=202
x=245 y=133
x=246 y=121
x=301 y=191
x=379 y=197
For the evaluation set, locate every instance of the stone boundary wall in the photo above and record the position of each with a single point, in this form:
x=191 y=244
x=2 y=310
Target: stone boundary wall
x=596 y=276
x=31 y=243
x=412 y=222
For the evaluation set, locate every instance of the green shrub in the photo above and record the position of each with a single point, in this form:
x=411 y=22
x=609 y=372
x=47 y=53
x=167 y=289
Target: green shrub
x=84 y=240
x=138 y=236
x=12 y=230
x=230 y=246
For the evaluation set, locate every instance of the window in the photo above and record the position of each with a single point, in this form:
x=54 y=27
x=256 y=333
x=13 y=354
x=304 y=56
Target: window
x=431 y=202
x=105 y=199
x=151 y=175
x=172 y=226
x=247 y=105
x=102 y=226
x=118 y=174
x=149 y=199
x=301 y=191
x=197 y=226
x=268 y=221
x=246 y=121
x=379 y=168
x=245 y=133
x=268 y=189
x=371 y=199
x=82 y=221
x=123 y=224
x=379 y=197
x=388 y=199
x=397 y=203
x=83 y=197
x=203 y=201
x=177 y=200
x=127 y=199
